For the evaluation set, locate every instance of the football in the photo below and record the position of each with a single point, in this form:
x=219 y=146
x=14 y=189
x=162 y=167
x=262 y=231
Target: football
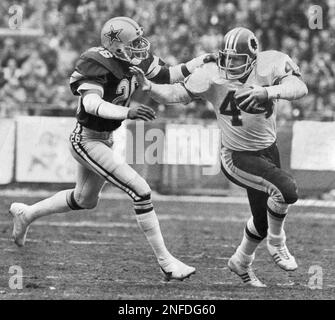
x=260 y=108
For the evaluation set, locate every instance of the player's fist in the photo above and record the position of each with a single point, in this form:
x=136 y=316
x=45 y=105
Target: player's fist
x=251 y=99
x=142 y=113
x=210 y=57
x=142 y=80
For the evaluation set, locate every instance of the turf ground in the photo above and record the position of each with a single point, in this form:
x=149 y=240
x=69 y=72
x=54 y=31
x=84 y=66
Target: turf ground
x=103 y=255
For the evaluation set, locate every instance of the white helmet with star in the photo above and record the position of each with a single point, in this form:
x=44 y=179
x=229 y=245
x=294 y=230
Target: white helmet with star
x=122 y=36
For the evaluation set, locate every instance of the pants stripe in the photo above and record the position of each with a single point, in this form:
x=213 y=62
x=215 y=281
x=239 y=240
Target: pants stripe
x=100 y=170
x=247 y=179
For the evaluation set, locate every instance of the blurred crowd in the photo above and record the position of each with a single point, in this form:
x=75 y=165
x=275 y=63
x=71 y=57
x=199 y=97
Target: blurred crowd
x=36 y=68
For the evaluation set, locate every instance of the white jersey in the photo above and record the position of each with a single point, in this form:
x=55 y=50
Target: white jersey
x=242 y=131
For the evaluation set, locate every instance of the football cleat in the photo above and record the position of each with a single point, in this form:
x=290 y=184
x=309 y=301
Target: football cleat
x=245 y=272
x=177 y=270
x=21 y=226
x=282 y=257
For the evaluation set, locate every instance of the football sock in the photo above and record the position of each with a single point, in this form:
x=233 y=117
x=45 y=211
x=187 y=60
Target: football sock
x=149 y=224
x=276 y=217
x=277 y=240
x=245 y=259
x=56 y=204
x=251 y=238
x=276 y=225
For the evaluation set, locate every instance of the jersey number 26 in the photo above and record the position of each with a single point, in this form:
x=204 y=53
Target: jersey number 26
x=125 y=89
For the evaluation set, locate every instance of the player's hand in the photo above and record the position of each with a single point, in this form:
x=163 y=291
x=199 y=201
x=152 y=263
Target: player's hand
x=142 y=80
x=141 y=112
x=210 y=57
x=253 y=97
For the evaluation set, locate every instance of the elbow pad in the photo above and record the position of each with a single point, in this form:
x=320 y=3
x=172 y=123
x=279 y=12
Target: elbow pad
x=95 y=105
x=92 y=102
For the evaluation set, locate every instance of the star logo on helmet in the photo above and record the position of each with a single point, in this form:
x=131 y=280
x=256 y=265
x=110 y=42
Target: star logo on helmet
x=113 y=35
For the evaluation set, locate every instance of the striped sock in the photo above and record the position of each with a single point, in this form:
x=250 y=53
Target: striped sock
x=251 y=238
x=276 y=216
x=276 y=223
x=148 y=222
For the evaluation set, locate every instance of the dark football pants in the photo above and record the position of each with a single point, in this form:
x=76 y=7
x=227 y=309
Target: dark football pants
x=266 y=183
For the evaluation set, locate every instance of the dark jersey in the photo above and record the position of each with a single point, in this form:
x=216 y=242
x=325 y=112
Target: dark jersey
x=98 y=66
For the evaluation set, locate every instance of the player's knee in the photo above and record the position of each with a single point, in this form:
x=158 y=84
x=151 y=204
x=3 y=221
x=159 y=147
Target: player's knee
x=142 y=203
x=78 y=202
x=290 y=191
x=143 y=189
x=286 y=191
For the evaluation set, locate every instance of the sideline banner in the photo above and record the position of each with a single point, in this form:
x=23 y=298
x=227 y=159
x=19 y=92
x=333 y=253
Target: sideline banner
x=43 y=153
x=42 y=150
x=313 y=146
x=7 y=143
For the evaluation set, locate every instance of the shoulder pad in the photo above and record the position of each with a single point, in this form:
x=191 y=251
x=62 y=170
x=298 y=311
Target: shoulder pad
x=98 y=58
x=276 y=65
x=202 y=78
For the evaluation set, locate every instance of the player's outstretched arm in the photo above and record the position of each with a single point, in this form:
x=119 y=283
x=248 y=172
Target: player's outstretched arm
x=94 y=104
x=162 y=93
x=290 y=88
x=181 y=71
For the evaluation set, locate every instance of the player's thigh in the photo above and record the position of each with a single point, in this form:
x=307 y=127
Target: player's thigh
x=251 y=170
x=109 y=165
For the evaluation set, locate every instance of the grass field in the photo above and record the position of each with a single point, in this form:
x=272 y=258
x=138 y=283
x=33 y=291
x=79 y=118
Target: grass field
x=103 y=255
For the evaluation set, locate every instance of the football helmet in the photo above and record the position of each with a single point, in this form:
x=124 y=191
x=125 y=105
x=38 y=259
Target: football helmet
x=122 y=37
x=239 y=52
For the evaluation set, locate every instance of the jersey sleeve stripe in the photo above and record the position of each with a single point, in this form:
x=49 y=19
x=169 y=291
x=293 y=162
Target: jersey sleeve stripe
x=154 y=68
x=90 y=86
x=185 y=71
x=75 y=76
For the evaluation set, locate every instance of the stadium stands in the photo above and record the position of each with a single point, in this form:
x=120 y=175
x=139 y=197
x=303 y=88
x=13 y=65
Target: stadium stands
x=37 y=67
